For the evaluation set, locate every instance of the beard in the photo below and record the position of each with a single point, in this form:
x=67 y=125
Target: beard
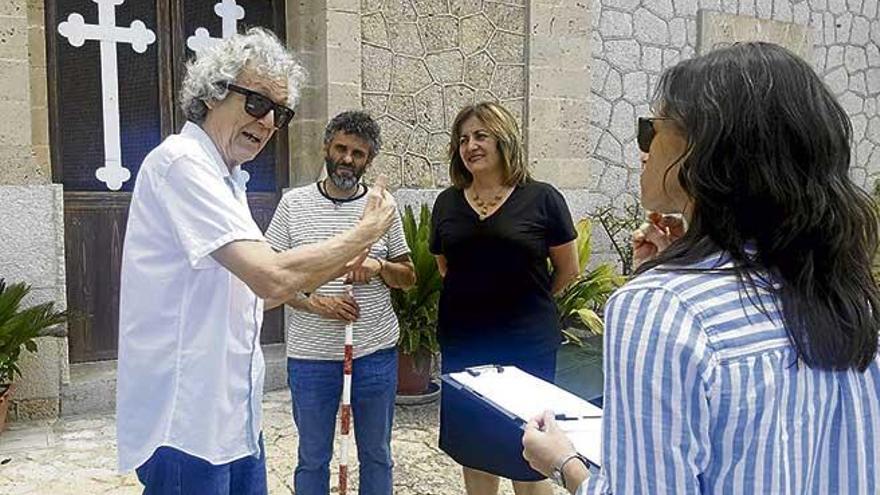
x=342 y=181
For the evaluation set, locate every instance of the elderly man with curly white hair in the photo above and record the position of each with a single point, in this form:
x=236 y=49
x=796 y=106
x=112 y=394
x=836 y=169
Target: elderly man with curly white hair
x=197 y=274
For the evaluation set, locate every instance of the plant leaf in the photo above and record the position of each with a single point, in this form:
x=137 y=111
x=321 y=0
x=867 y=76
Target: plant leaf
x=19 y=327
x=591 y=320
x=417 y=307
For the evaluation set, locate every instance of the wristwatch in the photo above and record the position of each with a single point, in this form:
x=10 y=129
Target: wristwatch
x=557 y=475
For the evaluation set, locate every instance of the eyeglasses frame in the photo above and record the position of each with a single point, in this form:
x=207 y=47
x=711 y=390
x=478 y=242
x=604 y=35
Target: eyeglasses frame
x=278 y=111
x=645 y=125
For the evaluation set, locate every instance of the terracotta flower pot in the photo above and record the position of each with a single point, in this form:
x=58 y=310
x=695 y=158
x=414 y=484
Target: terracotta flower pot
x=5 y=399
x=413 y=373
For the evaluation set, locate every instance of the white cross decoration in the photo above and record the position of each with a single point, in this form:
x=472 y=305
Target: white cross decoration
x=77 y=32
x=227 y=10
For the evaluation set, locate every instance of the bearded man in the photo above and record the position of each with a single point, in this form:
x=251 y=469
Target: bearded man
x=316 y=327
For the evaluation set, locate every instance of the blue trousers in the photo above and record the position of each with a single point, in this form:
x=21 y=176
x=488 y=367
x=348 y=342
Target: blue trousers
x=316 y=389
x=172 y=472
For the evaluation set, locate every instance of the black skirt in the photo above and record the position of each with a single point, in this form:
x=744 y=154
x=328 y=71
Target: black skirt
x=476 y=435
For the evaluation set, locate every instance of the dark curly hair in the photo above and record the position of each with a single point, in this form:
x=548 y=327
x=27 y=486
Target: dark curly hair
x=357 y=123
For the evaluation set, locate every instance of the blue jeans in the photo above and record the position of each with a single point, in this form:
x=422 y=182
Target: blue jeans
x=172 y=472
x=316 y=390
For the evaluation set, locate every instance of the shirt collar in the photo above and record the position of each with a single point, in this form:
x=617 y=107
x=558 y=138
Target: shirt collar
x=237 y=177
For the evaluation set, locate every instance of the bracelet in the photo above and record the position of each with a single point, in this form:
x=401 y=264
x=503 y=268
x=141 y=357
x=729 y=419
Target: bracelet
x=559 y=468
x=381 y=265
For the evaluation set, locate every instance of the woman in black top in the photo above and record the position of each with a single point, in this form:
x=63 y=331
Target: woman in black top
x=492 y=234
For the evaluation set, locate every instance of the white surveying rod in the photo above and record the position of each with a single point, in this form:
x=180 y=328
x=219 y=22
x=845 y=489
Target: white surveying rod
x=345 y=415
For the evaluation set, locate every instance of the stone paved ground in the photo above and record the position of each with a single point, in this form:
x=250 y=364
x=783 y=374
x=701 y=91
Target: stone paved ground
x=77 y=455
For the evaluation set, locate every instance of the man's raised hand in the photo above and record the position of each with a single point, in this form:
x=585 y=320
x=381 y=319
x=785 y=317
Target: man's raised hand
x=380 y=209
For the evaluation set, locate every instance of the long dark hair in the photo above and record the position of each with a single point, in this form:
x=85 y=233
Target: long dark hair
x=766 y=165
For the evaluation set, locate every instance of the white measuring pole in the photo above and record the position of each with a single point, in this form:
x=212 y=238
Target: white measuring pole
x=345 y=414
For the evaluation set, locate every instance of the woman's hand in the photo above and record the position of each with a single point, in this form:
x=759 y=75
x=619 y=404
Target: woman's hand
x=544 y=443
x=545 y=446
x=654 y=236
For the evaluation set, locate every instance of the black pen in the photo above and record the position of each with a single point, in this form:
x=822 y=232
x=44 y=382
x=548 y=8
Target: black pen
x=563 y=417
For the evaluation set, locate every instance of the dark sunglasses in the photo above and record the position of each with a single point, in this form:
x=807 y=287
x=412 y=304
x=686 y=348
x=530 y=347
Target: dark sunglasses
x=258 y=105
x=646 y=132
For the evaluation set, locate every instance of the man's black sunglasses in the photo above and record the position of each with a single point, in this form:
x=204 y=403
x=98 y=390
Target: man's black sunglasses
x=258 y=105
x=646 y=132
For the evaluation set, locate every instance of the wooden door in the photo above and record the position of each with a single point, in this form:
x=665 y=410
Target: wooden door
x=94 y=215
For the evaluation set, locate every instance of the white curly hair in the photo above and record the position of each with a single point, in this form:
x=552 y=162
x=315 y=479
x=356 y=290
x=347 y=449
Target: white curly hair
x=258 y=50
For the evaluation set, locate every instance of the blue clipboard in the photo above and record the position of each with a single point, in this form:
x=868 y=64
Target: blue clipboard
x=502 y=389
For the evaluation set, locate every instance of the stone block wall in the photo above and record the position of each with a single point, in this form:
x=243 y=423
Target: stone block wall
x=634 y=40
x=557 y=137
x=425 y=59
x=38 y=89
x=31 y=207
x=32 y=251
x=717 y=30
x=16 y=154
x=307 y=34
x=592 y=70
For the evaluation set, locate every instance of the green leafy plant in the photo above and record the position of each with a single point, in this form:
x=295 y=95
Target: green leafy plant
x=582 y=301
x=416 y=308
x=19 y=327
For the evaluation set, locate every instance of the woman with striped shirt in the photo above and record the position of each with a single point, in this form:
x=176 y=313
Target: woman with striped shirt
x=743 y=357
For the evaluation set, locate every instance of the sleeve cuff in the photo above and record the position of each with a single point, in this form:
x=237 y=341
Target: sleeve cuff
x=397 y=254
x=200 y=259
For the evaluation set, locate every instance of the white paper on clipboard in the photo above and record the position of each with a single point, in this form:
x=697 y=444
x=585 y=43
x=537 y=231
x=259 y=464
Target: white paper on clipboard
x=525 y=396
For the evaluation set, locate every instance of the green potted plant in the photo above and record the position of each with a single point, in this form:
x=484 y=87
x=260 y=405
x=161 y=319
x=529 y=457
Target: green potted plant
x=18 y=329
x=579 y=362
x=416 y=308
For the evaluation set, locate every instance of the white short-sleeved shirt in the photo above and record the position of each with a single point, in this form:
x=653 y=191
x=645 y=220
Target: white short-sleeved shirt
x=306 y=216
x=190 y=371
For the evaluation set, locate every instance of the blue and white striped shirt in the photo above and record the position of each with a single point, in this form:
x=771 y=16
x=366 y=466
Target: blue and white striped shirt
x=704 y=394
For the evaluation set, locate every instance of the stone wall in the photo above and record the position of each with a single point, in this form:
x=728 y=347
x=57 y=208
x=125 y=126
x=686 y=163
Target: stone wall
x=307 y=34
x=326 y=36
x=424 y=60
x=557 y=137
x=717 y=30
x=16 y=154
x=585 y=143
x=31 y=207
x=32 y=251
x=634 y=40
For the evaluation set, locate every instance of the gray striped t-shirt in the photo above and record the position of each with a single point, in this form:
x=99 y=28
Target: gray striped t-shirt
x=305 y=216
